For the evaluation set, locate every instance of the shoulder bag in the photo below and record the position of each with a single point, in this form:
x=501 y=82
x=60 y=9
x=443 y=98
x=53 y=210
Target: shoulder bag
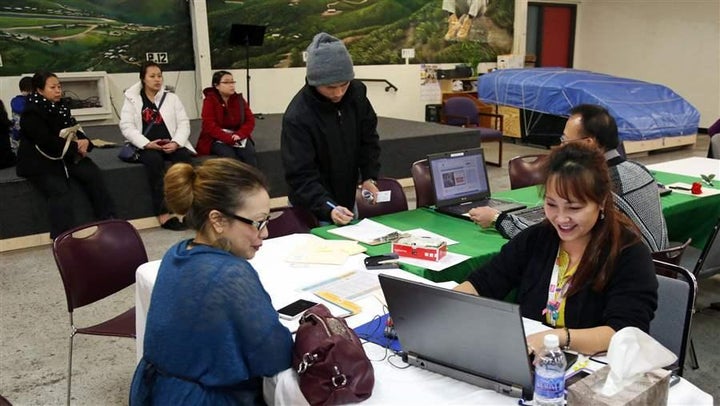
x=330 y=360
x=128 y=152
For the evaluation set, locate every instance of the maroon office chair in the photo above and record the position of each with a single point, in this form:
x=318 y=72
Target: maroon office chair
x=672 y=255
x=290 y=220
x=463 y=112
x=526 y=170
x=424 y=192
x=95 y=261
x=398 y=201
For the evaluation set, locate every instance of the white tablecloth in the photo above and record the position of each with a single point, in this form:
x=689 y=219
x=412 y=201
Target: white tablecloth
x=284 y=283
x=690 y=167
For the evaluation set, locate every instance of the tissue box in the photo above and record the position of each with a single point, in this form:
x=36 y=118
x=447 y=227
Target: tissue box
x=430 y=249
x=651 y=389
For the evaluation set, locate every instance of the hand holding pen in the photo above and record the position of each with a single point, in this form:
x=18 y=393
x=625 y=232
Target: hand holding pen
x=340 y=215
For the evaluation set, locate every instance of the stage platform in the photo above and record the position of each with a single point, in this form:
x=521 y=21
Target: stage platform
x=24 y=212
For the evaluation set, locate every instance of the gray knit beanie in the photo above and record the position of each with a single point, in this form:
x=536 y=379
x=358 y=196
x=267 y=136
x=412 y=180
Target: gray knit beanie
x=328 y=61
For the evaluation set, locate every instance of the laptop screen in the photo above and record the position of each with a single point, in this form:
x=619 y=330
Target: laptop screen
x=463 y=333
x=459 y=176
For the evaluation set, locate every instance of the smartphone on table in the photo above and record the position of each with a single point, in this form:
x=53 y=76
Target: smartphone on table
x=295 y=309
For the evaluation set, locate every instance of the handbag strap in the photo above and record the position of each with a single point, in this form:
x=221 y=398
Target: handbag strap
x=147 y=129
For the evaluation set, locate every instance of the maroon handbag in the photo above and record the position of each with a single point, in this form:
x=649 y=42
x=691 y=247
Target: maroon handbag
x=330 y=360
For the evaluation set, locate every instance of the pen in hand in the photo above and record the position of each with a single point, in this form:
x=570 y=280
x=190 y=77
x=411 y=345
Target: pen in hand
x=342 y=210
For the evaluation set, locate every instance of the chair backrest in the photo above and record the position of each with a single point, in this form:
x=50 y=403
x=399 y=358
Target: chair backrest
x=460 y=111
x=398 y=201
x=525 y=170
x=673 y=254
x=709 y=261
x=293 y=220
x=676 y=299
x=98 y=259
x=424 y=192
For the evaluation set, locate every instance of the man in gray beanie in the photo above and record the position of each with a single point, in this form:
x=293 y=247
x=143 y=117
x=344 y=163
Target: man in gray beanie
x=329 y=139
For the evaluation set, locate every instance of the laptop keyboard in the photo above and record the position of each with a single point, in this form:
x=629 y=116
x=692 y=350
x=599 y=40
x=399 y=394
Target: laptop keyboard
x=531 y=215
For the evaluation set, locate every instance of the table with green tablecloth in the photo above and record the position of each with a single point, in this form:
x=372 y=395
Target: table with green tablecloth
x=686 y=216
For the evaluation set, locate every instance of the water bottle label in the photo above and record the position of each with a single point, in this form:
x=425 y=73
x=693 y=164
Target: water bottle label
x=550 y=388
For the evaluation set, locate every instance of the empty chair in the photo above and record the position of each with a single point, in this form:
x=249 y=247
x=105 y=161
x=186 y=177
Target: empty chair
x=676 y=300
x=525 y=170
x=398 y=201
x=95 y=261
x=290 y=220
x=424 y=192
x=673 y=254
x=463 y=112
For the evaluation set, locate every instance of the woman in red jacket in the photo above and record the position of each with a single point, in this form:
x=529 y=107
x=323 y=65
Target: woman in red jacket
x=227 y=122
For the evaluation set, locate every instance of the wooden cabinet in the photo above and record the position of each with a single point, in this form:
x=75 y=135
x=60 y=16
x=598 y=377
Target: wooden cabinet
x=469 y=86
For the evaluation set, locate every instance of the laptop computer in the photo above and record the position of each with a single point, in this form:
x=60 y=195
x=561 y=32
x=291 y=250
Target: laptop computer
x=460 y=182
x=470 y=338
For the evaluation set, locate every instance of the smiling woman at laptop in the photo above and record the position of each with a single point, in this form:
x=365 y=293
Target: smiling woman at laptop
x=585 y=272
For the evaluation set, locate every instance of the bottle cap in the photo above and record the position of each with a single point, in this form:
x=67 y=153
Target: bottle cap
x=551 y=341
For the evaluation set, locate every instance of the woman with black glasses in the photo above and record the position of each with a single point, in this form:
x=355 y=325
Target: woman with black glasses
x=212 y=332
x=227 y=122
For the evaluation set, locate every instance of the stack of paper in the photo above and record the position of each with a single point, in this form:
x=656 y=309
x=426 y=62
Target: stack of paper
x=331 y=252
x=366 y=231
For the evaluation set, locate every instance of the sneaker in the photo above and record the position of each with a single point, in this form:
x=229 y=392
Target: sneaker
x=174 y=224
x=453 y=27
x=465 y=26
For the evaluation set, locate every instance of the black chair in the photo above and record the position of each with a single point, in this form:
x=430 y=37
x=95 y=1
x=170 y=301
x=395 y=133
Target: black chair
x=398 y=201
x=290 y=220
x=706 y=262
x=676 y=301
x=463 y=112
x=95 y=261
x=526 y=170
x=424 y=192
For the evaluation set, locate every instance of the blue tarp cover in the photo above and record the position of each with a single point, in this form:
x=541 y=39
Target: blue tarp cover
x=642 y=110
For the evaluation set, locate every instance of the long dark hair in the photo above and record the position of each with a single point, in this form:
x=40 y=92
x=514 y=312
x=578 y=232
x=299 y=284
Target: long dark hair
x=578 y=171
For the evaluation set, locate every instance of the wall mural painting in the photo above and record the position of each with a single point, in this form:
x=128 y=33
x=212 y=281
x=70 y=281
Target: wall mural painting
x=374 y=31
x=117 y=35
x=94 y=35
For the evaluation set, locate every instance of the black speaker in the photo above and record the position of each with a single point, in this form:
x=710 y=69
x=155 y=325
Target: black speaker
x=432 y=112
x=247 y=35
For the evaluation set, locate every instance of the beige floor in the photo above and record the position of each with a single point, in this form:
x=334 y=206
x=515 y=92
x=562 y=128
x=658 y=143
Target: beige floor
x=34 y=322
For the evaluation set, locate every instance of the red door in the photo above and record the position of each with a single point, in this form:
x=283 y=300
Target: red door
x=555 y=34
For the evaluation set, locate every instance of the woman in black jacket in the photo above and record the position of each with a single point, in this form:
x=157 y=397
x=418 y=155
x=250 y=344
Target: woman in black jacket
x=49 y=160
x=584 y=270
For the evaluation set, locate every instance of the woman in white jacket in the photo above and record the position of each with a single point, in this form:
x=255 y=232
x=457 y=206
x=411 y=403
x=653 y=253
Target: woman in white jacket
x=154 y=120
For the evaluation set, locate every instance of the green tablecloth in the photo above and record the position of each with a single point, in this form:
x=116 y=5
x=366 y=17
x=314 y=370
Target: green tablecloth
x=686 y=216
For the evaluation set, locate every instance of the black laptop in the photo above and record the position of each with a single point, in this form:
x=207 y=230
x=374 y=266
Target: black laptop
x=473 y=339
x=460 y=182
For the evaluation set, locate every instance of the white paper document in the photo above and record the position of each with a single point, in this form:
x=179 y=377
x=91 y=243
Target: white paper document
x=333 y=252
x=366 y=231
x=451 y=259
x=685 y=189
x=383 y=196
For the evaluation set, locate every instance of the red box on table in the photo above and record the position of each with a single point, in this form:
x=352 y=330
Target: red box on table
x=429 y=249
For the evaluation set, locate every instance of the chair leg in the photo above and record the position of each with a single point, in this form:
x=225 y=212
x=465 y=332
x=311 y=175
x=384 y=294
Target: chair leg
x=693 y=356
x=69 y=372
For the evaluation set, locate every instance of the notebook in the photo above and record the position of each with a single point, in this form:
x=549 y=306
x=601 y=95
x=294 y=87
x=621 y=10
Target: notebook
x=473 y=339
x=460 y=182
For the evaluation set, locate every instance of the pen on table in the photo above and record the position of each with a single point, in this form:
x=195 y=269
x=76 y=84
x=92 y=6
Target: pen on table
x=679 y=188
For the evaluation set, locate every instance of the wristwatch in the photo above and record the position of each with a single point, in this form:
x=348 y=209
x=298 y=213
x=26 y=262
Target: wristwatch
x=495 y=218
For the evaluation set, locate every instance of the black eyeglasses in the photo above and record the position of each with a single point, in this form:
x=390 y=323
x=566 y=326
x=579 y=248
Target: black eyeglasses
x=260 y=225
x=229 y=83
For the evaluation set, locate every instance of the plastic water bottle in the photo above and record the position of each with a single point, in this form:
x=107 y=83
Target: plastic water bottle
x=550 y=374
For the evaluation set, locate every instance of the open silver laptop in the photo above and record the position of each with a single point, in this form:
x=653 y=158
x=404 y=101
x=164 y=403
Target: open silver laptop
x=460 y=182
x=473 y=339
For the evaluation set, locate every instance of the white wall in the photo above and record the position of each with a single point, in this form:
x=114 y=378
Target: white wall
x=672 y=42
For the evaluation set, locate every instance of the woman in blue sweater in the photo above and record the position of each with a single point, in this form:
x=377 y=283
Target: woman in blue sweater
x=584 y=270
x=212 y=332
